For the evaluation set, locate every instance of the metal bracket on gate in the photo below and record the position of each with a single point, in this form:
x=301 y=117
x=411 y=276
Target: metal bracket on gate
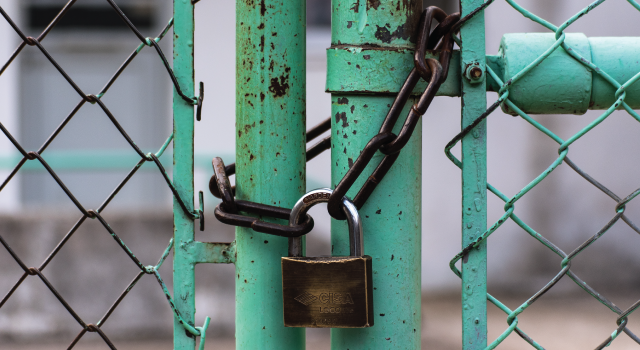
x=558 y=85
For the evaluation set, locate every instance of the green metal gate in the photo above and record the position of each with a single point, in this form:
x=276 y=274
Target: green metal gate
x=372 y=50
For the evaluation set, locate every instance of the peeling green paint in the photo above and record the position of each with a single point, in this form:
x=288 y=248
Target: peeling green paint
x=183 y=268
x=357 y=69
x=270 y=158
x=392 y=215
x=474 y=185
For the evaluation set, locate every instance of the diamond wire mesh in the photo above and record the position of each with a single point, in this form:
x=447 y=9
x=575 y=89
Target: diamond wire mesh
x=563 y=150
x=96 y=214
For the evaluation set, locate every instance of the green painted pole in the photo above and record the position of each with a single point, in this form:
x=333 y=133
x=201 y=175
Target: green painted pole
x=392 y=215
x=474 y=185
x=270 y=158
x=183 y=227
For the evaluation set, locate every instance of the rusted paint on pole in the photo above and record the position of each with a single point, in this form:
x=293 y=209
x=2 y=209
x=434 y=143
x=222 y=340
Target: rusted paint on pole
x=183 y=226
x=270 y=158
x=392 y=215
x=474 y=184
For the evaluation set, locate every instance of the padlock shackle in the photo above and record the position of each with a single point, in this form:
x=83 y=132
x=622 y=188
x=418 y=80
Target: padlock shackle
x=321 y=195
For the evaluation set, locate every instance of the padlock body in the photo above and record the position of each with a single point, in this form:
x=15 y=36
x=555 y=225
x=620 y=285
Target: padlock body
x=327 y=292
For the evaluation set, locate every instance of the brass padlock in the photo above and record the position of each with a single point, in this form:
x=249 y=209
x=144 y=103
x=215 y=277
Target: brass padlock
x=327 y=291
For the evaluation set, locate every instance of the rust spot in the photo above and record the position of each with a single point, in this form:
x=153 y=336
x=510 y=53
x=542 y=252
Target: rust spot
x=342 y=116
x=353 y=108
x=355 y=7
x=279 y=86
x=366 y=57
x=262 y=43
x=251 y=157
x=263 y=8
x=261 y=100
x=262 y=122
x=392 y=257
x=261 y=26
x=379 y=211
x=374 y=4
x=274 y=34
x=265 y=242
x=342 y=101
x=350 y=162
x=349 y=24
x=383 y=34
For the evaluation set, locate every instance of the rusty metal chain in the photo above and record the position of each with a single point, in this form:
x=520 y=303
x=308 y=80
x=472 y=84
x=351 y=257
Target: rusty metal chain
x=227 y=211
x=431 y=70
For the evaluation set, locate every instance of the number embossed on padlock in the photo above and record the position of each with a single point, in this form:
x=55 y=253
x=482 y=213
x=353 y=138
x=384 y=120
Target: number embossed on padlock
x=329 y=291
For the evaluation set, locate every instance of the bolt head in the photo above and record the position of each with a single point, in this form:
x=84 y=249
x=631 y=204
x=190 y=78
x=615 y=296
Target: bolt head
x=476 y=73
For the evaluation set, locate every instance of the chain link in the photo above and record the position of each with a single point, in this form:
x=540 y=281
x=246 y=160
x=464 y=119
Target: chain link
x=619 y=208
x=432 y=70
x=96 y=214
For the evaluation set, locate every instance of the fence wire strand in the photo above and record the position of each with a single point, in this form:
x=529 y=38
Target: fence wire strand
x=96 y=214
x=563 y=150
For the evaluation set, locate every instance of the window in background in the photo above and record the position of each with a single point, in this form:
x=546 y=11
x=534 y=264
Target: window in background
x=91 y=157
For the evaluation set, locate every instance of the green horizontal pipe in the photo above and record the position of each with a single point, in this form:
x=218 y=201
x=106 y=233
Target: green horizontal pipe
x=558 y=85
x=101 y=160
x=215 y=253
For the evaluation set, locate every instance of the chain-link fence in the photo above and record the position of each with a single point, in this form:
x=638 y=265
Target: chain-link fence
x=39 y=155
x=619 y=202
x=504 y=99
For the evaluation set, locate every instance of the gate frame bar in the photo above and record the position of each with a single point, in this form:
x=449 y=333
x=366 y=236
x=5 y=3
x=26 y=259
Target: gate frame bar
x=474 y=183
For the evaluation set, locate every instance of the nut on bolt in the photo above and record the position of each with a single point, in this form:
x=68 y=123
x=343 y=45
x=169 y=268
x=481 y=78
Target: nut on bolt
x=474 y=73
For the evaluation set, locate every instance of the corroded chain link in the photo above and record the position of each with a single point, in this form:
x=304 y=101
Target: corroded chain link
x=96 y=214
x=432 y=70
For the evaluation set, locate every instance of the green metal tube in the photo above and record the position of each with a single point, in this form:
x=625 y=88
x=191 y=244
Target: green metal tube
x=183 y=226
x=392 y=215
x=270 y=158
x=474 y=184
x=561 y=84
